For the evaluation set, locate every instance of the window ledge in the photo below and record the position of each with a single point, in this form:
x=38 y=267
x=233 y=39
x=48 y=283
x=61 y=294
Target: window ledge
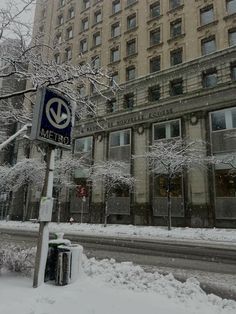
x=131 y=4
x=130 y=56
x=114 y=38
x=155 y=46
x=170 y=40
x=180 y=7
x=84 y=10
x=229 y=16
x=154 y=18
x=207 y=25
x=113 y=63
x=131 y=30
x=115 y=13
x=94 y=47
x=83 y=31
x=96 y=24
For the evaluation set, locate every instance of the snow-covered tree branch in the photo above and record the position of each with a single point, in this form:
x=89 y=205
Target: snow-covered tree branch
x=111 y=174
x=171 y=158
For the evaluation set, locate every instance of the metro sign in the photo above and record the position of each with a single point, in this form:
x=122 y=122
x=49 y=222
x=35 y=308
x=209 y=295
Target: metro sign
x=52 y=119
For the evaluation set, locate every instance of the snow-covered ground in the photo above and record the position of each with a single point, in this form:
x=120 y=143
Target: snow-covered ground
x=107 y=287
x=151 y=232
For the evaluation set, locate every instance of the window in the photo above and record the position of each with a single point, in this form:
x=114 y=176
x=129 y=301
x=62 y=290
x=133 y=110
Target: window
x=161 y=183
x=85 y=24
x=97 y=39
x=208 y=45
x=155 y=9
x=131 y=21
x=60 y=20
x=83 y=45
x=209 y=78
x=175 y=3
x=231 y=6
x=131 y=47
x=71 y=13
x=130 y=73
x=176 y=56
x=61 y=3
x=116 y=7
x=129 y=101
x=68 y=55
x=207 y=15
x=96 y=62
x=115 y=30
x=166 y=130
x=114 y=79
x=223 y=119
x=69 y=33
x=111 y=105
x=155 y=37
x=86 y=4
x=225 y=183
x=232 y=37
x=154 y=93
x=176 y=28
x=120 y=138
x=97 y=17
x=83 y=145
x=155 y=64
x=115 y=54
x=233 y=71
x=176 y=87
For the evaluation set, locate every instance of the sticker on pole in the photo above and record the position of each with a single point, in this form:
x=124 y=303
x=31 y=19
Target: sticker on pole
x=52 y=120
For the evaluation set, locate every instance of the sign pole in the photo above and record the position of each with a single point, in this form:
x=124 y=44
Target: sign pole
x=43 y=238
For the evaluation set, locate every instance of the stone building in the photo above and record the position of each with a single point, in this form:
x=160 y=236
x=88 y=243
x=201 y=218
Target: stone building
x=175 y=62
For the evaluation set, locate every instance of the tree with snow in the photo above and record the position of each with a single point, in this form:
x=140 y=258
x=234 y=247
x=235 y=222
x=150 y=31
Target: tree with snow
x=111 y=174
x=22 y=61
x=64 y=174
x=171 y=158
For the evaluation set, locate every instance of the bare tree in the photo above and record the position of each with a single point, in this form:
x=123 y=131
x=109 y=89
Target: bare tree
x=111 y=174
x=171 y=158
x=25 y=62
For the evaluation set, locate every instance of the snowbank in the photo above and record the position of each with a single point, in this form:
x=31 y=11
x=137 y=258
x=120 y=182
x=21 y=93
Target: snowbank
x=151 y=232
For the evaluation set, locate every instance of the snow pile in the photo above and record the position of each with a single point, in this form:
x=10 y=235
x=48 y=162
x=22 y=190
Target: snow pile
x=107 y=287
x=135 y=278
x=149 y=232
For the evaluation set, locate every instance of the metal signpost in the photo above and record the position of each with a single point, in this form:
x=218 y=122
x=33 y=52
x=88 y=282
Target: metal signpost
x=52 y=123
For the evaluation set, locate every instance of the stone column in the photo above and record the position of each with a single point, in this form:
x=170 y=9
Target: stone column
x=197 y=205
x=100 y=151
x=141 y=209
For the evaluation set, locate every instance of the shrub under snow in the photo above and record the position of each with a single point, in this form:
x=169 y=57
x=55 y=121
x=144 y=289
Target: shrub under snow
x=16 y=259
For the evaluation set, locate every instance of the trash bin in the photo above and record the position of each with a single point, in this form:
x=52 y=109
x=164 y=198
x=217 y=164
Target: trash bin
x=52 y=258
x=76 y=261
x=63 y=268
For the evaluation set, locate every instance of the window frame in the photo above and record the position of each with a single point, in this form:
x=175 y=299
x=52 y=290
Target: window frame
x=120 y=132
x=167 y=125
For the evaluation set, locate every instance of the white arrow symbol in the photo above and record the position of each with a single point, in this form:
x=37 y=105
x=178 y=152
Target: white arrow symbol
x=59 y=116
x=56 y=116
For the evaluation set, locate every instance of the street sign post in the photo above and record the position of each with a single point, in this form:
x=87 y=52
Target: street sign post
x=52 y=124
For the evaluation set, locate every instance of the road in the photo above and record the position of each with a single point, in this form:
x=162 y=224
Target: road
x=213 y=264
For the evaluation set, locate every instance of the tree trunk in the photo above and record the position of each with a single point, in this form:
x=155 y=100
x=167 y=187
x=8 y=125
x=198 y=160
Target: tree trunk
x=59 y=212
x=105 y=214
x=169 y=203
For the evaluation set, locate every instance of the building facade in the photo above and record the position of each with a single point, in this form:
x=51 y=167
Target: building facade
x=175 y=62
